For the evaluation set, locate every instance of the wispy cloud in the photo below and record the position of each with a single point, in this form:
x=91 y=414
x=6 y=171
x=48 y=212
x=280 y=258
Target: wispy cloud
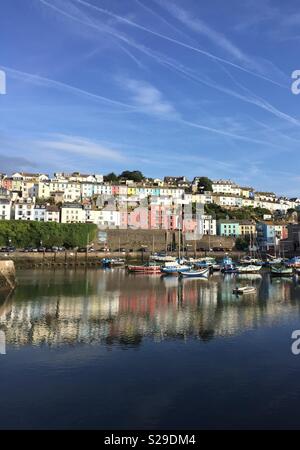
x=10 y=163
x=80 y=146
x=149 y=98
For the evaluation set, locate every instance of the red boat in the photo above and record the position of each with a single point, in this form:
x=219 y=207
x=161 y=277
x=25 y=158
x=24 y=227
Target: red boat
x=148 y=269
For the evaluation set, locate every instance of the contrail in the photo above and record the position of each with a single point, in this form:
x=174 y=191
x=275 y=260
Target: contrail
x=176 y=41
x=64 y=86
x=257 y=101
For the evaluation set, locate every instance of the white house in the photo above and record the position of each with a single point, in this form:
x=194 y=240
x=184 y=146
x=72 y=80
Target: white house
x=72 y=213
x=24 y=209
x=5 y=209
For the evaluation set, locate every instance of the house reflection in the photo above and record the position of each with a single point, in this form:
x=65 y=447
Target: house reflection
x=113 y=308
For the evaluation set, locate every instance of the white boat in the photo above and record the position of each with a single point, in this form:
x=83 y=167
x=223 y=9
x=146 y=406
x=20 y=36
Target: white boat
x=244 y=290
x=202 y=273
x=250 y=261
x=248 y=269
x=162 y=258
x=173 y=268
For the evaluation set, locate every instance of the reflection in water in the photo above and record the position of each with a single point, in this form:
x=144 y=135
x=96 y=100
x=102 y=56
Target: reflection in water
x=95 y=306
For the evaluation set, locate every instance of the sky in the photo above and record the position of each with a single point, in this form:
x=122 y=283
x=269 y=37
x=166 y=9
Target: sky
x=168 y=87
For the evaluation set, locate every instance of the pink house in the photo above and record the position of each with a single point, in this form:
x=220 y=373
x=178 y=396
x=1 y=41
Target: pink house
x=138 y=218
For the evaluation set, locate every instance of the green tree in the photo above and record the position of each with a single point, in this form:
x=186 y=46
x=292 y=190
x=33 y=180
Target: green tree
x=134 y=175
x=204 y=184
x=111 y=177
x=25 y=233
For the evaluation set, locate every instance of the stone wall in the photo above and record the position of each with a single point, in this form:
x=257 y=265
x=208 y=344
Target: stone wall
x=7 y=275
x=157 y=240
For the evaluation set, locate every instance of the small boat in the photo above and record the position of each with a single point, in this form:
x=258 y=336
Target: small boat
x=106 y=262
x=159 y=257
x=294 y=262
x=202 y=273
x=250 y=260
x=112 y=262
x=145 y=269
x=227 y=265
x=282 y=271
x=117 y=262
x=248 y=269
x=244 y=290
x=173 y=268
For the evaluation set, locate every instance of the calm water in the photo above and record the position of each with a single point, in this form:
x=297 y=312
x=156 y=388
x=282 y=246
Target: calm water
x=103 y=349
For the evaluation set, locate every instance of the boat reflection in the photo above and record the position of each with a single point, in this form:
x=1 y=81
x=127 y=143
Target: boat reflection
x=112 y=308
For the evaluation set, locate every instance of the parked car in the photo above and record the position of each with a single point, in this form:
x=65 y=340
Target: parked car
x=41 y=249
x=104 y=249
x=9 y=249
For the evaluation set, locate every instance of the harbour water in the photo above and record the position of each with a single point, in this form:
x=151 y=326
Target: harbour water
x=106 y=349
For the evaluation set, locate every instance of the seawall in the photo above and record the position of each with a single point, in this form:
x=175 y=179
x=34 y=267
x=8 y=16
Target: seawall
x=7 y=275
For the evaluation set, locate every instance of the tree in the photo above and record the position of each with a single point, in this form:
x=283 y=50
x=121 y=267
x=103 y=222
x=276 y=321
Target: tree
x=134 y=175
x=242 y=243
x=204 y=184
x=110 y=177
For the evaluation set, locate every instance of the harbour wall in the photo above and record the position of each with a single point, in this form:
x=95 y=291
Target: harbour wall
x=160 y=240
x=7 y=275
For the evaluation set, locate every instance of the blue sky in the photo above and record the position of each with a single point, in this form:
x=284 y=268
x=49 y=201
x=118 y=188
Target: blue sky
x=169 y=87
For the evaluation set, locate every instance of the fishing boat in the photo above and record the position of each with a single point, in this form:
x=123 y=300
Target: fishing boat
x=202 y=273
x=248 y=269
x=173 y=268
x=282 y=271
x=144 y=269
x=244 y=290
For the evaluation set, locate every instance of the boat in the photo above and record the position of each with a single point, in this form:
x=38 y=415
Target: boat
x=159 y=257
x=205 y=262
x=202 y=273
x=173 y=268
x=248 y=260
x=294 y=262
x=244 y=290
x=112 y=262
x=227 y=265
x=248 y=269
x=144 y=269
x=282 y=271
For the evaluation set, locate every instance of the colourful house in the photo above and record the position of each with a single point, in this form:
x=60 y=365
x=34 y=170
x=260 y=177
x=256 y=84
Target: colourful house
x=228 y=228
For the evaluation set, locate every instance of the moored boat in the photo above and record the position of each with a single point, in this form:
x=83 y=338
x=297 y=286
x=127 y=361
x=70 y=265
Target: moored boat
x=294 y=262
x=248 y=269
x=202 y=273
x=248 y=260
x=112 y=262
x=159 y=257
x=173 y=268
x=144 y=269
x=227 y=265
x=282 y=271
x=244 y=290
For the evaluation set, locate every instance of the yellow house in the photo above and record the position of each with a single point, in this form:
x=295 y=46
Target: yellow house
x=131 y=190
x=247 y=228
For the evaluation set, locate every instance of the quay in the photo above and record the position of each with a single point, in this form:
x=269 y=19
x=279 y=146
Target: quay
x=71 y=259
